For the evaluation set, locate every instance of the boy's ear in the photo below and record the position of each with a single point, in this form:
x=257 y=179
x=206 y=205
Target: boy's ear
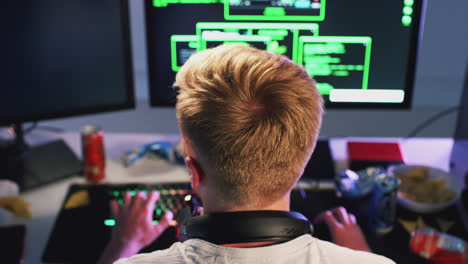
x=197 y=175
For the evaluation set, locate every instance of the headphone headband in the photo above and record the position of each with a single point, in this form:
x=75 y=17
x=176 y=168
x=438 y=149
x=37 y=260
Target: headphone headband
x=247 y=226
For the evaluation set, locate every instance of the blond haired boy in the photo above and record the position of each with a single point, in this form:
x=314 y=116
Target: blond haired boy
x=249 y=122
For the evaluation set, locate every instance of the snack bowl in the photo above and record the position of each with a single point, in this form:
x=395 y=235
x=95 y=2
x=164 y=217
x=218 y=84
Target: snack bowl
x=425 y=189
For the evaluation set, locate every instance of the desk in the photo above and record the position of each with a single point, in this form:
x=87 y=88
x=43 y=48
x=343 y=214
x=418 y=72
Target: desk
x=46 y=201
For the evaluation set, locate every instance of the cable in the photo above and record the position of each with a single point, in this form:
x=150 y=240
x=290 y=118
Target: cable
x=31 y=128
x=35 y=126
x=431 y=120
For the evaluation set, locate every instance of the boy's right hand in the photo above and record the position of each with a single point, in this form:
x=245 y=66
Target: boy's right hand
x=344 y=229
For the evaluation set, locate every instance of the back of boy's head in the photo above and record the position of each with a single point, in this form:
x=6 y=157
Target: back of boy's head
x=253 y=119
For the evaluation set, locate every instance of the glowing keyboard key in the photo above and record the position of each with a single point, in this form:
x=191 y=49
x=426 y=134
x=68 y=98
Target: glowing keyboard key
x=109 y=222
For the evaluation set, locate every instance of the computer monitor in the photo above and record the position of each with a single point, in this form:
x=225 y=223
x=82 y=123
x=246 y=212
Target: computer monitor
x=362 y=53
x=64 y=58
x=59 y=59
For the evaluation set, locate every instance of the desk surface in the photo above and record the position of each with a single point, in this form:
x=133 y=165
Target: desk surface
x=46 y=200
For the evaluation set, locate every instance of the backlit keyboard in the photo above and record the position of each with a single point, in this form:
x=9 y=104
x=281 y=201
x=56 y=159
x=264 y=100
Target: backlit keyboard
x=171 y=197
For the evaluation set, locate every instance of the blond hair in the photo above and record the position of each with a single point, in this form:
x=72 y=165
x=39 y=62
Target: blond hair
x=253 y=118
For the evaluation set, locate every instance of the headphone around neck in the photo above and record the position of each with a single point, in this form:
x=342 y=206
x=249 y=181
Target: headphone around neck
x=247 y=226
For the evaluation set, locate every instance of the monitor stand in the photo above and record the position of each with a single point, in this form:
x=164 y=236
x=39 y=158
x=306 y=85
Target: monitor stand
x=32 y=167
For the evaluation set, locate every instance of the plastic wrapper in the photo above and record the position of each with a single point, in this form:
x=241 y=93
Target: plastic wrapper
x=357 y=184
x=162 y=149
x=440 y=248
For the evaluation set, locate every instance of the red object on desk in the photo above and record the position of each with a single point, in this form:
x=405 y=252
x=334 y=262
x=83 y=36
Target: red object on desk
x=368 y=154
x=375 y=151
x=438 y=247
x=94 y=158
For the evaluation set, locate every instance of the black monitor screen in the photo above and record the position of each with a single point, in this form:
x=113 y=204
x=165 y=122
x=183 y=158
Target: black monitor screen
x=63 y=58
x=362 y=53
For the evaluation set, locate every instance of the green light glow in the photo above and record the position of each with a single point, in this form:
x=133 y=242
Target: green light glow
x=323 y=55
x=407 y=10
x=111 y=222
x=318 y=70
x=193 y=42
x=341 y=73
x=275 y=14
x=324 y=88
x=274 y=11
x=338 y=67
x=326 y=48
x=409 y=2
x=322 y=59
x=276 y=31
x=406 y=20
x=228 y=25
x=275 y=47
x=275 y=34
x=165 y=3
x=365 y=81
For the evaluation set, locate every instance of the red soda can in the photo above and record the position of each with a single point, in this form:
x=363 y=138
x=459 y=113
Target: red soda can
x=94 y=160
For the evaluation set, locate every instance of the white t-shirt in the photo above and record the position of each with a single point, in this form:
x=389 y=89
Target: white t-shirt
x=302 y=250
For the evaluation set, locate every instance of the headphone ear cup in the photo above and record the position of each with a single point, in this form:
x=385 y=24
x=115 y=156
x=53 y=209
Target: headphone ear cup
x=247 y=226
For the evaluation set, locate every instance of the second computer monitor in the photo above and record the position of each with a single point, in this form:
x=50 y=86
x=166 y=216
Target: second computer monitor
x=362 y=53
x=64 y=58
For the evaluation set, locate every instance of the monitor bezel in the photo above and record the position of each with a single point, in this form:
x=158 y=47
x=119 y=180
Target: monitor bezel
x=416 y=38
x=130 y=89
